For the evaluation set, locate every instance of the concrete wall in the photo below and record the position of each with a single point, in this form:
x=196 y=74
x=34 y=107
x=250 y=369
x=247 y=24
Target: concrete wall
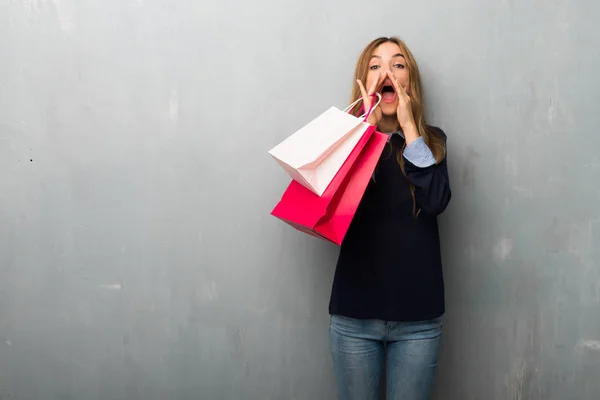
x=138 y=259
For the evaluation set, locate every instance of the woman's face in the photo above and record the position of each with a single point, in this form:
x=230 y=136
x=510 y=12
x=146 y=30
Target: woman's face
x=388 y=57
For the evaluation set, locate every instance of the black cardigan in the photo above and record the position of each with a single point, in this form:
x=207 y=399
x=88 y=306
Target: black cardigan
x=390 y=266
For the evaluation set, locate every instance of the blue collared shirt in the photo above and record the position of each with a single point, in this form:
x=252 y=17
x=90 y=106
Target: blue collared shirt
x=418 y=153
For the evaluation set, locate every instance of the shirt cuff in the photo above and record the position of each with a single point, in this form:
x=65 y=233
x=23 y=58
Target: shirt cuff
x=419 y=154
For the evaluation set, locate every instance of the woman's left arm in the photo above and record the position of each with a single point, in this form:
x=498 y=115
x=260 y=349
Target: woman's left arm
x=432 y=185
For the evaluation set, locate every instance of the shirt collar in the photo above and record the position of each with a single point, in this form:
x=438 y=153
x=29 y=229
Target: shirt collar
x=398 y=132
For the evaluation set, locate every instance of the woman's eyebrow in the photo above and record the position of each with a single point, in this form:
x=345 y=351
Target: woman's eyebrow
x=394 y=56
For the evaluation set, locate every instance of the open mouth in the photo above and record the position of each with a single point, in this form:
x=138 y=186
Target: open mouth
x=388 y=94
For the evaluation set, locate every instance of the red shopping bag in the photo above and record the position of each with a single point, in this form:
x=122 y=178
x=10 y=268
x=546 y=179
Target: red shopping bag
x=328 y=216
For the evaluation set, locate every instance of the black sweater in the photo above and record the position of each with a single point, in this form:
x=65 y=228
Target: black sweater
x=390 y=265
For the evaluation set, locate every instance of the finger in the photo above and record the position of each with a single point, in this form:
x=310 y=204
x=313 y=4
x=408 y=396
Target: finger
x=397 y=86
x=376 y=84
x=382 y=78
x=363 y=91
x=373 y=87
x=365 y=97
x=399 y=89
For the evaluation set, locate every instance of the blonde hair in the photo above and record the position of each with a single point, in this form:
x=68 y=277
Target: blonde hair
x=433 y=141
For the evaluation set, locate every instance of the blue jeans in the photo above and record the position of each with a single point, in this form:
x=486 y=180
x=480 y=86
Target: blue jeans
x=360 y=350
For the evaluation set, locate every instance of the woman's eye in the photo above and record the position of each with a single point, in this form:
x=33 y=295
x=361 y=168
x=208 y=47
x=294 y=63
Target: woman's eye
x=374 y=67
x=399 y=66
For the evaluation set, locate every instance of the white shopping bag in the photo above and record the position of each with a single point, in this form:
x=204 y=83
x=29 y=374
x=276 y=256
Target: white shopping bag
x=315 y=153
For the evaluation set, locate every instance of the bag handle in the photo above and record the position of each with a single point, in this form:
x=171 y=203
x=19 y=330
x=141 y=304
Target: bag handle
x=365 y=115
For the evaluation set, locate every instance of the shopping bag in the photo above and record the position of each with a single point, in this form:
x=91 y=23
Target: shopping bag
x=314 y=154
x=329 y=216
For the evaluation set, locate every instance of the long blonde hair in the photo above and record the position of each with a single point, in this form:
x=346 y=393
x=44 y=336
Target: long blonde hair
x=433 y=141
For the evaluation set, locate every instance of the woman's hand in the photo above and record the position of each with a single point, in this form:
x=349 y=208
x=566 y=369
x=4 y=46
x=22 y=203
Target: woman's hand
x=367 y=97
x=404 y=110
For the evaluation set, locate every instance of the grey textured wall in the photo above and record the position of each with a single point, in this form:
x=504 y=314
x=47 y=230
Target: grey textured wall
x=138 y=259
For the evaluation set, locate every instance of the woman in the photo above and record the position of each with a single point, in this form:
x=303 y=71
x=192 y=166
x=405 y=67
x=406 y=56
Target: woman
x=387 y=300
